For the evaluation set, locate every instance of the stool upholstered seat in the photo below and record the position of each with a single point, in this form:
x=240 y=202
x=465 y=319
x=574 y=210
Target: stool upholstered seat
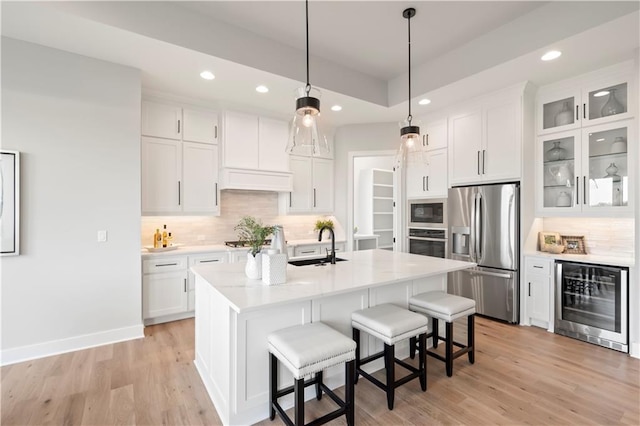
x=306 y=350
x=391 y=323
x=447 y=307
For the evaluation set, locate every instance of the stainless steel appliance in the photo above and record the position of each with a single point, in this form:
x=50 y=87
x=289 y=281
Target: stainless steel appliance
x=591 y=303
x=484 y=228
x=430 y=213
x=428 y=242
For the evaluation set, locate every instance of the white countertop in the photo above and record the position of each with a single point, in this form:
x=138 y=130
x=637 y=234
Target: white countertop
x=363 y=269
x=587 y=258
x=184 y=250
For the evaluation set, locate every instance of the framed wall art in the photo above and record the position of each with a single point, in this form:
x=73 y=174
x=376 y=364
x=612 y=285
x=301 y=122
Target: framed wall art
x=9 y=202
x=548 y=239
x=574 y=244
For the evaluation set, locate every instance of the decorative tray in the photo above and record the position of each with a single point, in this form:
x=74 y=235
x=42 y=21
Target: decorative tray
x=151 y=249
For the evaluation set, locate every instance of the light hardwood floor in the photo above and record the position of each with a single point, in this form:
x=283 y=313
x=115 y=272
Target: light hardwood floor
x=522 y=375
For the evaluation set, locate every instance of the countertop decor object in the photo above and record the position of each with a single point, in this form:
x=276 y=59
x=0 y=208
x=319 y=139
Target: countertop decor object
x=555 y=248
x=557 y=152
x=618 y=146
x=548 y=239
x=152 y=249
x=565 y=116
x=612 y=106
x=252 y=231
x=574 y=244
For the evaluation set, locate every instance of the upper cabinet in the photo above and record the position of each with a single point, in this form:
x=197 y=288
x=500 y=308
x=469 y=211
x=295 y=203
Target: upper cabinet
x=485 y=139
x=254 y=155
x=434 y=133
x=312 y=186
x=179 y=156
x=427 y=178
x=593 y=99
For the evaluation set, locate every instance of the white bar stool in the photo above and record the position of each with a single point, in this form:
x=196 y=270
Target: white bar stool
x=391 y=324
x=446 y=307
x=306 y=350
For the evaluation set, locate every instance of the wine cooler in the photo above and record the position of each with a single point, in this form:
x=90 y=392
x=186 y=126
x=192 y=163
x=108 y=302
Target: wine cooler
x=591 y=303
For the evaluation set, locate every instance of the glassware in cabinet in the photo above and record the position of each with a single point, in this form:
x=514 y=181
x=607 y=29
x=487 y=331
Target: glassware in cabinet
x=608 y=173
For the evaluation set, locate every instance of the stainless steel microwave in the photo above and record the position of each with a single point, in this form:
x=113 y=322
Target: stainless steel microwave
x=431 y=213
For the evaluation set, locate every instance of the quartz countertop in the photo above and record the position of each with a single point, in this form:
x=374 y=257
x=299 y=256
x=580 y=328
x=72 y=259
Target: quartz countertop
x=586 y=258
x=362 y=270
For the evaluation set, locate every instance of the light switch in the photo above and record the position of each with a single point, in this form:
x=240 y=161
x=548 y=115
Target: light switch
x=102 y=236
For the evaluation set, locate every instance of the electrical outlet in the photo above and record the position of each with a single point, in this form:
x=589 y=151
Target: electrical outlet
x=200 y=237
x=102 y=236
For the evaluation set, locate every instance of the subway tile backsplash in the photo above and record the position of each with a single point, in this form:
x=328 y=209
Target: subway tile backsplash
x=218 y=229
x=603 y=236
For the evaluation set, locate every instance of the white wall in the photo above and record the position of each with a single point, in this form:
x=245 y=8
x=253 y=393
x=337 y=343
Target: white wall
x=76 y=121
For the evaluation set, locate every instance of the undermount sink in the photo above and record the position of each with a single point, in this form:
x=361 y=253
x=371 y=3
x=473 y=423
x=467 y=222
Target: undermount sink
x=318 y=261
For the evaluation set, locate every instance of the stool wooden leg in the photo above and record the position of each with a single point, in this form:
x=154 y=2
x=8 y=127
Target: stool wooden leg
x=273 y=384
x=412 y=347
x=422 y=354
x=356 y=337
x=349 y=392
x=319 y=385
x=389 y=365
x=449 y=348
x=436 y=336
x=298 y=391
x=471 y=338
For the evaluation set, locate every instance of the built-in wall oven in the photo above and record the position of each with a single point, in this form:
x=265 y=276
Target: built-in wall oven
x=591 y=303
x=431 y=213
x=428 y=242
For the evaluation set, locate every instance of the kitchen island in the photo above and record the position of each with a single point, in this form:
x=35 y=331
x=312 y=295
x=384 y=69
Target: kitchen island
x=234 y=315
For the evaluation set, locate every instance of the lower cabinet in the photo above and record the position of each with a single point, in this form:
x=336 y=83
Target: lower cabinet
x=538 y=275
x=316 y=249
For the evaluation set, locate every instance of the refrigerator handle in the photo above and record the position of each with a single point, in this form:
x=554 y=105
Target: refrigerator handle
x=478 y=213
x=472 y=232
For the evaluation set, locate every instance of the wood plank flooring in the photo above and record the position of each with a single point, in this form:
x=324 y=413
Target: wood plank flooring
x=522 y=375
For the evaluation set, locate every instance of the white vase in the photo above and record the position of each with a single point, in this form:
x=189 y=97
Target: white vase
x=619 y=145
x=253 y=268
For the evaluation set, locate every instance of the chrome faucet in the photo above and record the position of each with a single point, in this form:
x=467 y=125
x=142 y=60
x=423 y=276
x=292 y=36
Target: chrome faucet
x=332 y=256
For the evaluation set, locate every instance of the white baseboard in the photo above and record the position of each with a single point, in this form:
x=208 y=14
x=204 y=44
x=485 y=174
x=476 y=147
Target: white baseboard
x=634 y=350
x=55 y=347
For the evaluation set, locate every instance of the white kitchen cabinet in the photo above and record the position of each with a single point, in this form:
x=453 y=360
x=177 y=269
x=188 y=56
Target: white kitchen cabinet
x=273 y=136
x=179 y=177
x=538 y=286
x=586 y=171
x=592 y=99
x=434 y=134
x=428 y=179
x=485 y=140
x=164 y=287
x=172 y=121
x=320 y=249
x=201 y=259
x=312 y=186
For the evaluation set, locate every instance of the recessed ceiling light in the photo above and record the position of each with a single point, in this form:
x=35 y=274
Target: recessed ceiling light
x=599 y=140
x=551 y=55
x=207 y=75
x=601 y=93
x=424 y=101
x=336 y=108
x=262 y=89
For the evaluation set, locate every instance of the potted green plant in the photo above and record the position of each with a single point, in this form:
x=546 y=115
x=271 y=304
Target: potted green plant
x=254 y=233
x=322 y=223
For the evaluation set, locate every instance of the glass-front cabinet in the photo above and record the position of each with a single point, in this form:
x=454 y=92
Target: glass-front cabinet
x=585 y=171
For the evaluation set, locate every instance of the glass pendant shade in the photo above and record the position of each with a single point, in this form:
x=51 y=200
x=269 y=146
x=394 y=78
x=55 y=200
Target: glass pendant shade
x=305 y=134
x=411 y=150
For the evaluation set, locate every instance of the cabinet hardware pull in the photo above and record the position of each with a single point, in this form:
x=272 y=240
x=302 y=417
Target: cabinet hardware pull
x=178 y=192
x=216 y=193
x=584 y=111
x=185 y=285
x=423 y=140
x=216 y=131
x=289 y=199
x=314 y=197
x=584 y=190
x=166 y=264
x=484 y=151
x=209 y=261
x=423 y=187
x=427 y=139
x=178 y=126
x=308 y=252
x=478 y=161
x=538 y=267
x=577 y=190
x=529 y=289
x=577 y=113
x=427 y=183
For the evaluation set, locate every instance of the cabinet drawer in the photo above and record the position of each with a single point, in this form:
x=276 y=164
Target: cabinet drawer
x=307 y=250
x=538 y=266
x=203 y=259
x=164 y=264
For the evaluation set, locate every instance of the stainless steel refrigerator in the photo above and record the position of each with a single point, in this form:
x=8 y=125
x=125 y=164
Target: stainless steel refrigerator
x=484 y=228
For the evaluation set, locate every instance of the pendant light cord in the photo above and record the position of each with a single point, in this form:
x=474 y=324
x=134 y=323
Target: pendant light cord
x=409 y=37
x=308 y=87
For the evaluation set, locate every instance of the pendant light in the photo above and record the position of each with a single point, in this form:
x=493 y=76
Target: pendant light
x=410 y=148
x=303 y=131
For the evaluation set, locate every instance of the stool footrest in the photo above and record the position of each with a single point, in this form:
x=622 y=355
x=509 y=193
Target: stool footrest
x=286 y=391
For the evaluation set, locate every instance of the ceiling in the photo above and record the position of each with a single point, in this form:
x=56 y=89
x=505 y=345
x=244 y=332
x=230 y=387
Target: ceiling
x=358 y=48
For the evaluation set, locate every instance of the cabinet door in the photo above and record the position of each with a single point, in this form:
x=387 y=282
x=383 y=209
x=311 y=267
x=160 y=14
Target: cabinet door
x=434 y=135
x=301 y=198
x=606 y=100
x=465 y=144
x=436 y=180
x=500 y=157
x=161 y=120
x=538 y=299
x=322 y=185
x=416 y=178
x=558 y=110
x=200 y=126
x=164 y=294
x=240 y=140
x=161 y=171
x=200 y=178
x=273 y=136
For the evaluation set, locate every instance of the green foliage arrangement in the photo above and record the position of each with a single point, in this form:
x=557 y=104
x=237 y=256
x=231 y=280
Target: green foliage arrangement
x=251 y=231
x=321 y=223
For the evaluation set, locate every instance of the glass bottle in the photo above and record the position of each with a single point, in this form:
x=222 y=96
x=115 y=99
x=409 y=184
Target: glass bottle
x=565 y=116
x=157 y=239
x=164 y=236
x=557 y=152
x=612 y=106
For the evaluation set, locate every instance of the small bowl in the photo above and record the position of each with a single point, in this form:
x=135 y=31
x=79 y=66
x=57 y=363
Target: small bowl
x=554 y=248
